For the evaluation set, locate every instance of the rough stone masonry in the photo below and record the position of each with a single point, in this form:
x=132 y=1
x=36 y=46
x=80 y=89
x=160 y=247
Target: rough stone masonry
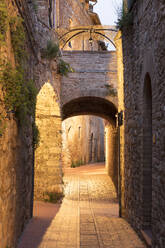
x=17 y=155
x=144 y=112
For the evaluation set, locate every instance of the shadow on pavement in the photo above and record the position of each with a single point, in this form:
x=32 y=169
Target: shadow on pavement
x=34 y=232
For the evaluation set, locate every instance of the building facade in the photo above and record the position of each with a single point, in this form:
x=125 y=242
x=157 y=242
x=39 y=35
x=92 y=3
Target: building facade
x=18 y=160
x=83 y=141
x=141 y=140
x=84 y=133
x=143 y=93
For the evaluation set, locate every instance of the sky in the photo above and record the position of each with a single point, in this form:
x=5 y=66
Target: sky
x=108 y=13
x=107 y=10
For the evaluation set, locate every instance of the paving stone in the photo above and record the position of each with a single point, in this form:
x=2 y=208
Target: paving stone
x=89 y=223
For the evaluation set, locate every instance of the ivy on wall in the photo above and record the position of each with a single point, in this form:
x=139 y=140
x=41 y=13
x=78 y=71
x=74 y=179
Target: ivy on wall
x=2 y=124
x=64 y=68
x=18 y=39
x=3 y=21
x=19 y=93
x=52 y=51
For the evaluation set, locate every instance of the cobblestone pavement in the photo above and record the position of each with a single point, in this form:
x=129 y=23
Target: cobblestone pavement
x=88 y=217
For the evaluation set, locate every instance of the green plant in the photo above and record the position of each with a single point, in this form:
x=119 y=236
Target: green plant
x=12 y=81
x=2 y=124
x=36 y=136
x=19 y=93
x=3 y=21
x=125 y=18
x=18 y=39
x=31 y=96
x=111 y=91
x=64 y=68
x=77 y=163
x=53 y=197
x=35 y=5
x=19 y=97
x=51 y=51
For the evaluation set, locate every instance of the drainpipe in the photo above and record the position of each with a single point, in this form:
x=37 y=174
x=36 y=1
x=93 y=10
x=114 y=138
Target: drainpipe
x=119 y=123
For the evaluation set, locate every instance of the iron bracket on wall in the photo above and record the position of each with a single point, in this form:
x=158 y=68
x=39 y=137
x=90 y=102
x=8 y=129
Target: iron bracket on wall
x=120 y=118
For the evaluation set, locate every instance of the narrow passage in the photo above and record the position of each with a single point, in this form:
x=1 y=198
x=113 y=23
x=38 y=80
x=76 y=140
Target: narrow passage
x=87 y=218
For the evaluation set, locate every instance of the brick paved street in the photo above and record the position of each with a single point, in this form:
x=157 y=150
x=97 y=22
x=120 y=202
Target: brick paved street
x=88 y=216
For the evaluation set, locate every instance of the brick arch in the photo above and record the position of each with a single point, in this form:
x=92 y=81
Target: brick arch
x=147 y=153
x=48 y=154
x=89 y=105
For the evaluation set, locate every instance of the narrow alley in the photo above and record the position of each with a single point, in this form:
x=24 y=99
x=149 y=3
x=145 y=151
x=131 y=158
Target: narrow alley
x=78 y=89
x=87 y=217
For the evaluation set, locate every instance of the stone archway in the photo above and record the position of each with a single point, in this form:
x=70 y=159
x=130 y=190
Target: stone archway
x=147 y=153
x=107 y=110
x=48 y=176
x=89 y=105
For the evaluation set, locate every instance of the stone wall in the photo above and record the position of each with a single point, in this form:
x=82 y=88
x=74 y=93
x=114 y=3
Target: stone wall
x=83 y=140
x=16 y=180
x=121 y=132
x=87 y=90
x=48 y=154
x=93 y=73
x=16 y=153
x=144 y=92
x=111 y=151
x=47 y=169
x=72 y=14
x=16 y=159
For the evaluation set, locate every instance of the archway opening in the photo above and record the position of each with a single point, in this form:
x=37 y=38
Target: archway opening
x=47 y=169
x=98 y=139
x=147 y=153
x=82 y=140
x=90 y=105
